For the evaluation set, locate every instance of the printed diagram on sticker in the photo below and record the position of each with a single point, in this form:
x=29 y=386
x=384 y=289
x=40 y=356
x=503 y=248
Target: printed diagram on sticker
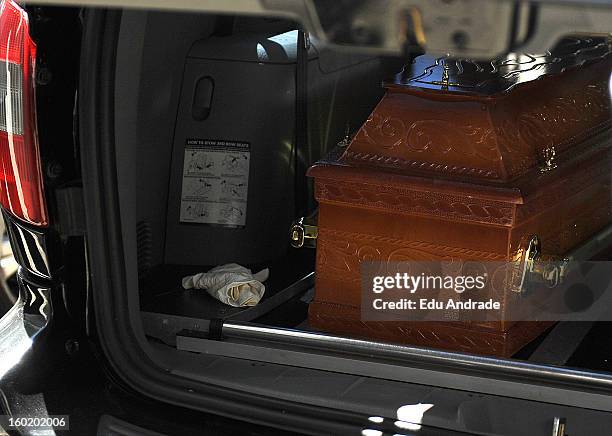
x=215 y=182
x=199 y=163
x=199 y=187
x=235 y=162
x=196 y=211
x=232 y=213
x=233 y=189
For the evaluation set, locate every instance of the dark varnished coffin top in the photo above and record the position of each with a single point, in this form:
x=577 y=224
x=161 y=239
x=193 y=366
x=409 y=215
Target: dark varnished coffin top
x=500 y=75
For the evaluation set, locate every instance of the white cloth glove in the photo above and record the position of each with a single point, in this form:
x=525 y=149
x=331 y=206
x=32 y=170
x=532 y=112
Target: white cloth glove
x=231 y=284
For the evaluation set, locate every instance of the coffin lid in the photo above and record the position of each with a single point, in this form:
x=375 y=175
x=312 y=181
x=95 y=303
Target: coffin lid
x=498 y=121
x=478 y=78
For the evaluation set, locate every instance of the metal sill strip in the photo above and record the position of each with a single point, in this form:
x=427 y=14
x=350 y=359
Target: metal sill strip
x=386 y=352
x=405 y=363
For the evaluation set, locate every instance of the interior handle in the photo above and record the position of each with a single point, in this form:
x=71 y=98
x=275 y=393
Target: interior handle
x=202 y=98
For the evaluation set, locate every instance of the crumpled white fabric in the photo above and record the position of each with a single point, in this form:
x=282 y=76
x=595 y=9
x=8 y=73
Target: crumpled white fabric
x=231 y=284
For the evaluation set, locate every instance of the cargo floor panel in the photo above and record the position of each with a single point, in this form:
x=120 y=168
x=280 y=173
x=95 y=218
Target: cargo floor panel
x=161 y=291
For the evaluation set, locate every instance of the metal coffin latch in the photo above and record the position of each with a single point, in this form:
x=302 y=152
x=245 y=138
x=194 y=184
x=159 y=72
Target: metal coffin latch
x=304 y=232
x=531 y=265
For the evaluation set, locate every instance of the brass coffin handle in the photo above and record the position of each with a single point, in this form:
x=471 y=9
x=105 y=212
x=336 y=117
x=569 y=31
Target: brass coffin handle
x=304 y=232
x=533 y=266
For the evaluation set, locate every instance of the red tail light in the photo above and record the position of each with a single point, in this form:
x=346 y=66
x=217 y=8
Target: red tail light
x=21 y=188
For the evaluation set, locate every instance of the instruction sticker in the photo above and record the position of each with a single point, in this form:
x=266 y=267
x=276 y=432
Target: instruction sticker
x=215 y=182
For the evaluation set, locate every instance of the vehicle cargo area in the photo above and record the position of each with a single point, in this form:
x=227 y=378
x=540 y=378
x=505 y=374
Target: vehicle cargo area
x=241 y=84
x=215 y=135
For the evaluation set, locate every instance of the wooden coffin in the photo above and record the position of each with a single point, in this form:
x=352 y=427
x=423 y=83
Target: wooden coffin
x=463 y=160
